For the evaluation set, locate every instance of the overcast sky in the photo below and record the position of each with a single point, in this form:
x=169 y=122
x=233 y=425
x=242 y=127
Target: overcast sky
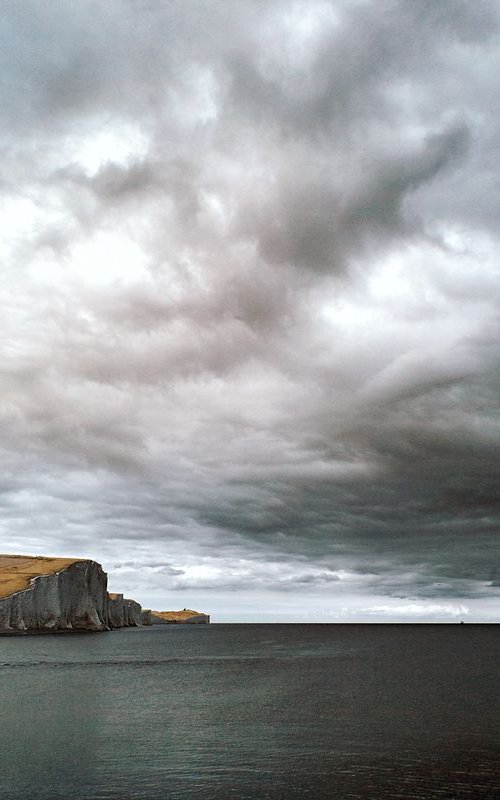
x=250 y=302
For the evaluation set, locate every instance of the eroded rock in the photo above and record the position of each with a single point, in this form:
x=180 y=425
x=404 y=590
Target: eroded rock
x=74 y=598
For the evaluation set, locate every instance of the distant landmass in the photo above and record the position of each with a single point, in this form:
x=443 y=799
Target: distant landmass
x=184 y=617
x=40 y=594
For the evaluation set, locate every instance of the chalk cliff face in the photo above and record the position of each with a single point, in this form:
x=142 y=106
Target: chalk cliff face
x=123 y=612
x=75 y=598
x=146 y=616
x=116 y=616
x=198 y=619
x=184 y=617
x=132 y=613
x=64 y=594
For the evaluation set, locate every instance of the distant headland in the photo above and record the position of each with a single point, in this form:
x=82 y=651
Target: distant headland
x=41 y=595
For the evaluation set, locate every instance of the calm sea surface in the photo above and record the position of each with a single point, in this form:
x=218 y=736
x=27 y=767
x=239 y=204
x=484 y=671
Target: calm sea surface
x=252 y=711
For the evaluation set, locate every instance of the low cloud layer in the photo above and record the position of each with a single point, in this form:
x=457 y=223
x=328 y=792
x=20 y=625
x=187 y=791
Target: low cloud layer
x=250 y=302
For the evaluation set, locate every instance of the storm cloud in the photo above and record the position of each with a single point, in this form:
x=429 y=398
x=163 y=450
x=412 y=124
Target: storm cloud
x=250 y=302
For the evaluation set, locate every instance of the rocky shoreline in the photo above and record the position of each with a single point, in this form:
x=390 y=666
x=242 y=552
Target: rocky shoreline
x=43 y=595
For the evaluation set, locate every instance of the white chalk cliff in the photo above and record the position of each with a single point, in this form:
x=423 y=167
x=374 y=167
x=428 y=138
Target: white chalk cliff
x=184 y=617
x=56 y=594
x=75 y=598
x=126 y=613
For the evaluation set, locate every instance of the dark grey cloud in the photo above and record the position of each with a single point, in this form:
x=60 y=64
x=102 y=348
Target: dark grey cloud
x=250 y=303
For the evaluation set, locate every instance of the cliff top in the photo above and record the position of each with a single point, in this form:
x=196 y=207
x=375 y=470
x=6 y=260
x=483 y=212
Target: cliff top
x=186 y=613
x=17 y=571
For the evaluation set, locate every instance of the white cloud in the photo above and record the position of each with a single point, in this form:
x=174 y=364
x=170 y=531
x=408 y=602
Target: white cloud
x=425 y=610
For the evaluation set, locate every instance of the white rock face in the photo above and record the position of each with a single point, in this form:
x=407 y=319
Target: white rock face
x=116 y=616
x=146 y=616
x=125 y=613
x=199 y=619
x=75 y=598
x=132 y=613
x=194 y=619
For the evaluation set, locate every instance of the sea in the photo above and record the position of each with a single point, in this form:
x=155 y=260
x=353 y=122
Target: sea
x=276 y=712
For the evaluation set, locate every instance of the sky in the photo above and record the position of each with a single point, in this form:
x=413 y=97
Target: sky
x=250 y=302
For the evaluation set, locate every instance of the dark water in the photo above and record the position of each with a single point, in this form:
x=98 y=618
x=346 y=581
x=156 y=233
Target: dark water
x=252 y=711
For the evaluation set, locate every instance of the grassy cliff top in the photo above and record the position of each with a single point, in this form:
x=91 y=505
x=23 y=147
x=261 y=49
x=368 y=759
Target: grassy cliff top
x=176 y=615
x=16 y=571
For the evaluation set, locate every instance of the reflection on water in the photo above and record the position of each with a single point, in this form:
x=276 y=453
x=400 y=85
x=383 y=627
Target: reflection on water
x=252 y=711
